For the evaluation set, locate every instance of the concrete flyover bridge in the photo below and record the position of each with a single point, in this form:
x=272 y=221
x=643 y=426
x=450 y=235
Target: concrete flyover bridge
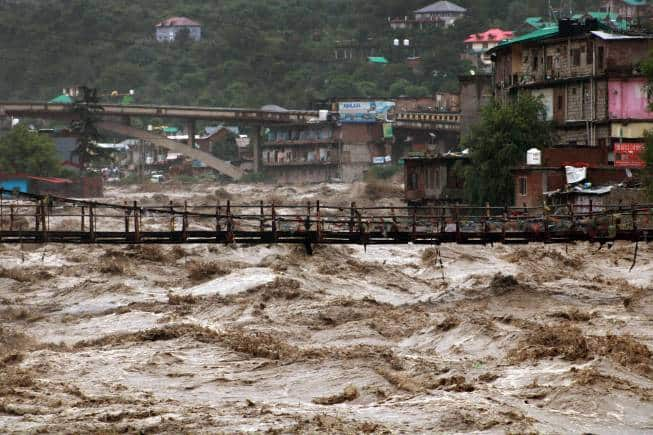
x=237 y=116
x=112 y=112
x=161 y=141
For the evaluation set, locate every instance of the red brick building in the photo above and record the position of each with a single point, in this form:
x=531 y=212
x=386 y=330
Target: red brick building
x=433 y=179
x=531 y=182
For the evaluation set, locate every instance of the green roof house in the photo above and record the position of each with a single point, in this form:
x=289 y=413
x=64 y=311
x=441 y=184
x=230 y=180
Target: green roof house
x=377 y=59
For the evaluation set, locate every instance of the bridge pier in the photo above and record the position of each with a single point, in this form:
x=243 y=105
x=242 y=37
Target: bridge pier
x=190 y=127
x=256 y=147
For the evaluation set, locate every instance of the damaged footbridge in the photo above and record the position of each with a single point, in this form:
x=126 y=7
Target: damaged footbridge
x=29 y=218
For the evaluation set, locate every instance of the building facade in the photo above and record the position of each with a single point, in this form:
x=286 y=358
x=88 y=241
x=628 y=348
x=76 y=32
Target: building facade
x=588 y=78
x=167 y=30
x=533 y=182
x=434 y=179
x=631 y=10
x=442 y=13
x=476 y=91
x=307 y=153
x=438 y=14
x=478 y=44
x=362 y=145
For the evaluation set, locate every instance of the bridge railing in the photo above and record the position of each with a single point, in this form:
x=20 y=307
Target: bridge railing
x=34 y=218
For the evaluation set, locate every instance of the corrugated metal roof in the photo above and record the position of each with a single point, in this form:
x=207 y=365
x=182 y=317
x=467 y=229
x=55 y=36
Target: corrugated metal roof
x=177 y=21
x=377 y=59
x=616 y=36
x=537 y=22
x=490 y=35
x=19 y=176
x=545 y=32
x=635 y=2
x=62 y=99
x=441 y=6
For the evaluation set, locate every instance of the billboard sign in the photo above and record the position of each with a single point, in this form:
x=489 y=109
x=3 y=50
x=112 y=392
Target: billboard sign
x=361 y=112
x=629 y=155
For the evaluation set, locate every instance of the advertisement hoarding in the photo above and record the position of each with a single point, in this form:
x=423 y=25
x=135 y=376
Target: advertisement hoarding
x=356 y=112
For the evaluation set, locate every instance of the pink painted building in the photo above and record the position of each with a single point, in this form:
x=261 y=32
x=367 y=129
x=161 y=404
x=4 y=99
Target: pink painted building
x=629 y=99
x=630 y=118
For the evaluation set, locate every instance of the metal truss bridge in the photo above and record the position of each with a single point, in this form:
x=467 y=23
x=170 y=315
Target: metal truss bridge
x=28 y=218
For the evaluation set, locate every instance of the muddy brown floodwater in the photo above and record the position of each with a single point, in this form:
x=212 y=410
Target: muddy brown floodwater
x=213 y=338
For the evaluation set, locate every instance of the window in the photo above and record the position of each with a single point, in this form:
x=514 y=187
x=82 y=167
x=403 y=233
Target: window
x=599 y=58
x=412 y=181
x=535 y=63
x=523 y=186
x=590 y=53
x=433 y=178
x=575 y=57
x=560 y=101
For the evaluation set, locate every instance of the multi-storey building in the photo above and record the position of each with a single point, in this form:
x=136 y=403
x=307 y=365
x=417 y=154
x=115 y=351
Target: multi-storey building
x=439 y=14
x=306 y=153
x=478 y=44
x=631 y=10
x=588 y=76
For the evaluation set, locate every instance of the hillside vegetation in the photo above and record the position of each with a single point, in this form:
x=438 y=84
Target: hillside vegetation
x=252 y=53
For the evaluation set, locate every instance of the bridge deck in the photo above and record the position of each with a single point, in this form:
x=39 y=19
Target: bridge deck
x=36 y=219
x=48 y=110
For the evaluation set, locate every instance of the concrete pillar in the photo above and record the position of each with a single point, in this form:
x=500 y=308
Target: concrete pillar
x=190 y=128
x=256 y=139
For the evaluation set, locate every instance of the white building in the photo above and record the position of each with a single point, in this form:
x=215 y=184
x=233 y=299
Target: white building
x=167 y=30
x=442 y=13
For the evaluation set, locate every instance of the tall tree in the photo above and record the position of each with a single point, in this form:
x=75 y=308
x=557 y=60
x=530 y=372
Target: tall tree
x=499 y=143
x=87 y=110
x=24 y=151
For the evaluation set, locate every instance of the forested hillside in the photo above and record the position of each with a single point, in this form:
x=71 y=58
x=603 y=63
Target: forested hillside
x=252 y=53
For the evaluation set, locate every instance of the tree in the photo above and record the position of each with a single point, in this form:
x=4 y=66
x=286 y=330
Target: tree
x=498 y=143
x=88 y=110
x=23 y=151
x=398 y=88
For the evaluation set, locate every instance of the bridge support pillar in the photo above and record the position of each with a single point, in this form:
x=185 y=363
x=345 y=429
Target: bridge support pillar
x=191 y=132
x=257 y=134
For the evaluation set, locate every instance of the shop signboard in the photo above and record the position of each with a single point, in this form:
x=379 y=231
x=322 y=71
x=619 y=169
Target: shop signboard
x=629 y=155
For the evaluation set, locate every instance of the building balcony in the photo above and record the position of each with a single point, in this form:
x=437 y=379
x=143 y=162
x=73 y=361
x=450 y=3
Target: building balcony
x=294 y=163
x=300 y=142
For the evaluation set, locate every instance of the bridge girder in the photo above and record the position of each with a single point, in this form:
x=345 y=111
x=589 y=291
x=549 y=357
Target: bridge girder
x=208 y=159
